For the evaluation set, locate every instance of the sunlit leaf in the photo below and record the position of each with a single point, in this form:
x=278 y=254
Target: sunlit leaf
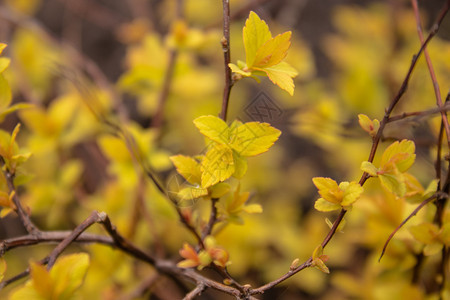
x=217 y=165
x=255 y=33
x=253 y=138
x=214 y=128
x=325 y=206
x=281 y=75
x=369 y=168
x=3 y=267
x=220 y=189
x=187 y=167
x=273 y=51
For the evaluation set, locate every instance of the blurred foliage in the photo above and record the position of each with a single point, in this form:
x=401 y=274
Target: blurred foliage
x=77 y=163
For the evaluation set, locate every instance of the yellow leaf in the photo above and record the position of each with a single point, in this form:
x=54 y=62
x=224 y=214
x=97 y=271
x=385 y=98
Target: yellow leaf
x=281 y=75
x=217 y=165
x=2 y=47
x=255 y=34
x=238 y=70
x=400 y=153
x=42 y=280
x=253 y=138
x=325 y=206
x=214 y=128
x=4 y=199
x=4 y=63
x=432 y=248
x=425 y=232
x=352 y=192
x=68 y=274
x=220 y=189
x=187 y=167
x=2 y=268
x=5 y=93
x=273 y=51
x=253 y=208
x=240 y=165
x=368 y=125
x=190 y=193
x=328 y=189
x=394 y=183
x=369 y=168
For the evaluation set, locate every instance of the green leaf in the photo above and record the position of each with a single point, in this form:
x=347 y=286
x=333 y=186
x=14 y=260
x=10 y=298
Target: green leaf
x=214 y=128
x=255 y=34
x=369 y=168
x=217 y=165
x=253 y=138
x=187 y=167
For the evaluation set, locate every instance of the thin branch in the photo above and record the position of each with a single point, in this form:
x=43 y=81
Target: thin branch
x=95 y=217
x=195 y=292
x=51 y=237
x=164 y=94
x=415 y=211
x=404 y=85
x=168 y=77
x=212 y=219
x=142 y=288
x=23 y=215
x=227 y=59
x=437 y=91
x=419 y=114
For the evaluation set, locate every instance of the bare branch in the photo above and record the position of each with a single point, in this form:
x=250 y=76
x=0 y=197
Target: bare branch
x=415 y=211
x=227 y=59
x=195 y=292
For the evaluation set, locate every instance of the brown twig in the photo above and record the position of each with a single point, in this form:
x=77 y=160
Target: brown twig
x=168 y=77
x=212 y=219
x=164 y=94
x=227 y=59
x=419 y=114
x=415 y=211
x=23 y=215
x=51 y=237
x=437 y=91
x=95 y=217
x=195 y=292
